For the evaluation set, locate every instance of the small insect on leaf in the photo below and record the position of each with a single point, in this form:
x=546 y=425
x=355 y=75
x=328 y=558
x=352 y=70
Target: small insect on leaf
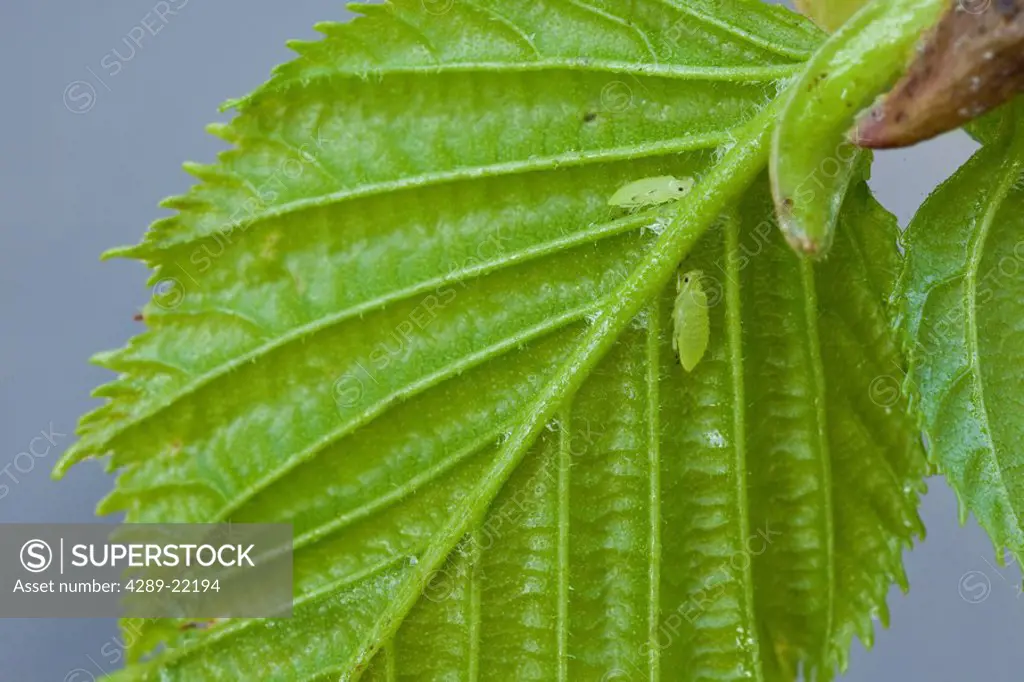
x=651 y=191
x=690 y=319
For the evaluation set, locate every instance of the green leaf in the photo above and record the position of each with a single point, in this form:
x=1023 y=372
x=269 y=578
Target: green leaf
x=960 y=301
x=400 y=315
x=812 y=162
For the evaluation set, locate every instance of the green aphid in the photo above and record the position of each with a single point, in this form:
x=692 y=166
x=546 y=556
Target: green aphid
x=690 y=319
x=651 y=192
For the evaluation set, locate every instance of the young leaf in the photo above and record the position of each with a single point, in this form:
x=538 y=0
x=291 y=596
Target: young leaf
x=812 y=162
x=400 y=316
x=959 y=300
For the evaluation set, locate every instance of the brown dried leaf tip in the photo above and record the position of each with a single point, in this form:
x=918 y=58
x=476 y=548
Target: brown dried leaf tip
x=972 y=62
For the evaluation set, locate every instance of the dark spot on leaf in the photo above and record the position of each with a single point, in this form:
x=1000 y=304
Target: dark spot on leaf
x=817 y=81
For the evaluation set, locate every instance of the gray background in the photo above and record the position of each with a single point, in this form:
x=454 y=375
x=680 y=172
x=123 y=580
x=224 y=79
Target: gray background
x=75 y=184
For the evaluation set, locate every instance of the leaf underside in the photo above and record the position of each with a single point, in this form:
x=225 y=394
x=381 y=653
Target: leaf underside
x=959 y=312
x=410 y=235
